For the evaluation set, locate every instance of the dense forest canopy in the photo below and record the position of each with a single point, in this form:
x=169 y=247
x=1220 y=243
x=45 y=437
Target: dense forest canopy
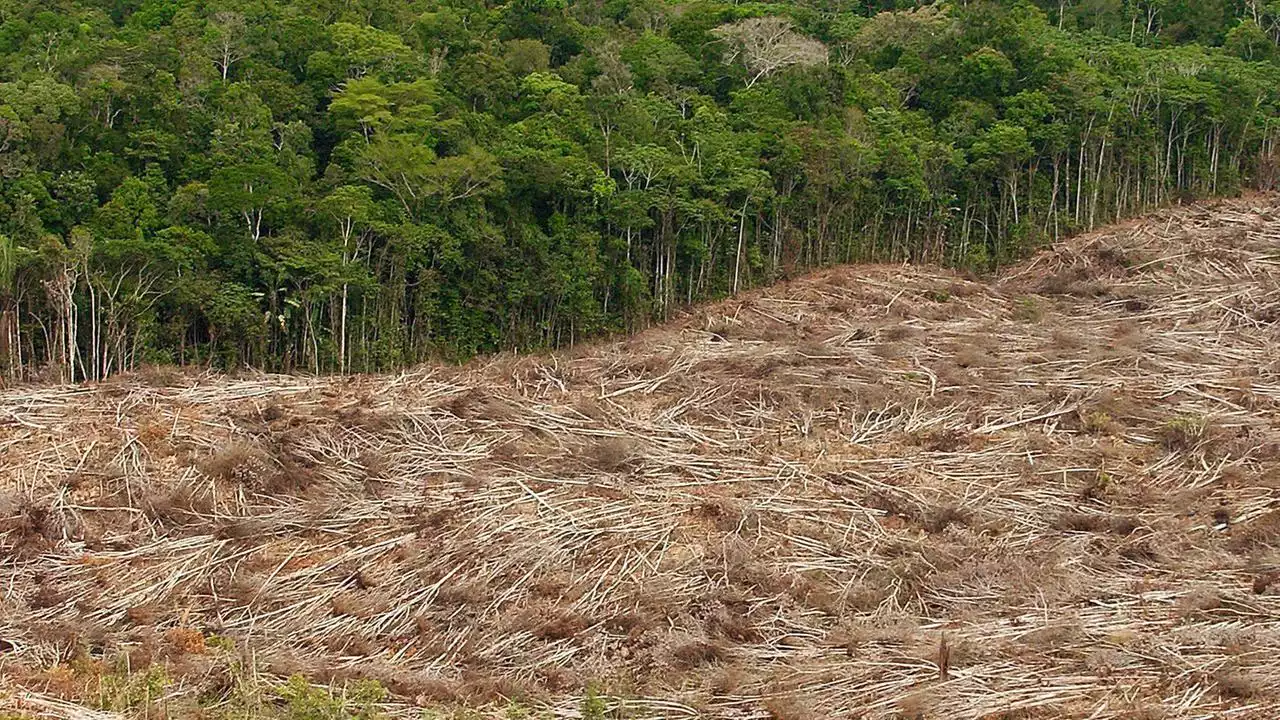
x=332 y=185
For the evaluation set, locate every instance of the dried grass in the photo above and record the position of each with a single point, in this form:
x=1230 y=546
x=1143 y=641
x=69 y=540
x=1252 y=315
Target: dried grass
x=696 y=653
x=236 y=461
x=614 y=454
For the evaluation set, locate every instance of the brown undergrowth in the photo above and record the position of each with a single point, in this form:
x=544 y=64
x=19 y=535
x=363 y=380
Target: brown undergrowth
x=876 y=492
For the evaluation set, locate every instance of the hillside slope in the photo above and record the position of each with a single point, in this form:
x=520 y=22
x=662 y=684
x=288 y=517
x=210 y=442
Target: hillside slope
x=872 y=492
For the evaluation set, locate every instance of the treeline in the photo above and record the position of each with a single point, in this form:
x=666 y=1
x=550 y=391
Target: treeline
x=347 y=186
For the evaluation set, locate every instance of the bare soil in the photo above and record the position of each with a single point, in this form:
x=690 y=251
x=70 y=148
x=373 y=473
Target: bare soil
x=877 y=492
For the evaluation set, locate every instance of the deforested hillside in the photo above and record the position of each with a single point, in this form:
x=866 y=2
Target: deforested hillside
x=327 y=186
x=877 y=491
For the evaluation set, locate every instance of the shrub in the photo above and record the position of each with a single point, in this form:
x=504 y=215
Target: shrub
x=1028 y=310
x=306 y=702
x=594 y=705
x=1184 y=433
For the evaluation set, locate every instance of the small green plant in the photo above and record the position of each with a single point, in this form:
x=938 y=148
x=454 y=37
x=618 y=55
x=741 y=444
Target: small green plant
x=1098 y=486
x=594 y=705
x=1028 y=309
x=1184 y=432
x=1098 y=422
x=938 y=296
x=123 y=690
x=304 y=701
x=220 y=642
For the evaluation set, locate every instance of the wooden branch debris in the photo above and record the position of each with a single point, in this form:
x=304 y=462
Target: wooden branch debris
x=782 y=501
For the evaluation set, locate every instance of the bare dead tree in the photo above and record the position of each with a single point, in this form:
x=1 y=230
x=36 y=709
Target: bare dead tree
x=767 y=45
x=227 y=40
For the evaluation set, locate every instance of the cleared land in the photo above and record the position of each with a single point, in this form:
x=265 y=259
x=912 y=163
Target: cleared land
x=873 y=492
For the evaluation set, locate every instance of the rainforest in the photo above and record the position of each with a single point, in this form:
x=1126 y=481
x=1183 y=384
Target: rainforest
x=357 y=185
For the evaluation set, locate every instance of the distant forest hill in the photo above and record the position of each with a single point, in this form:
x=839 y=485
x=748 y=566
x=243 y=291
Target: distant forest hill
x=326 y=186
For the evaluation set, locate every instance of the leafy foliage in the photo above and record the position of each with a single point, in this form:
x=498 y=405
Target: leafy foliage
x=351 y=187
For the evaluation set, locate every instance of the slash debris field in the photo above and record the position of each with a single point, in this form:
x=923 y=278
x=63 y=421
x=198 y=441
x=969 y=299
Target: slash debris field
x=873 y=492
